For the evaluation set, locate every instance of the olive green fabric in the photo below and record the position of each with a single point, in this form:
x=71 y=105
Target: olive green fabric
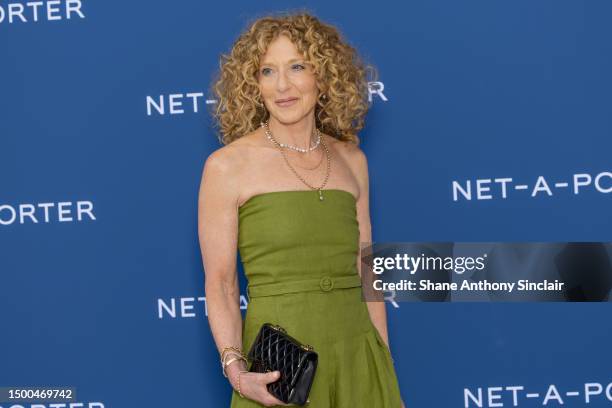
x=300 y=259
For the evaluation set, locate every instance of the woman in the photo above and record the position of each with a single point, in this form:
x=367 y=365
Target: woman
x=290 y=190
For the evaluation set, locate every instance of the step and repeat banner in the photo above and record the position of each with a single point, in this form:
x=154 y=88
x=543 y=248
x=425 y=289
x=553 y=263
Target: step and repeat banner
x=489 y=131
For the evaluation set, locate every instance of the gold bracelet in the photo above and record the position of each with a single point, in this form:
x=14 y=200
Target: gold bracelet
x=231 y=361
x=226 y=349
x=239 y=356
x=230 y=349
x=230 y=353
x=239 y=393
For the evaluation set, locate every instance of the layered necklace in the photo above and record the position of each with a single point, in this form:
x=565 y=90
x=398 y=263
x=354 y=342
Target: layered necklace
x=283 y=146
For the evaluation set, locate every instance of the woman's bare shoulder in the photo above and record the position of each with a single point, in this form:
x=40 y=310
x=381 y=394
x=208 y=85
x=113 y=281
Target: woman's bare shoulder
x=355 y=160
x=223 y=160
x=234 y=154
x=350 y=152
x=228 y=165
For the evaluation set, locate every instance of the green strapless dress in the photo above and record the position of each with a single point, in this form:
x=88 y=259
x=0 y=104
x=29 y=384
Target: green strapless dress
x=299 y=256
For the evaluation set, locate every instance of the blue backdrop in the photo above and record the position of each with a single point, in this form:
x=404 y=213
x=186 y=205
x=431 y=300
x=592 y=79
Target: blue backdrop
x=104 y=133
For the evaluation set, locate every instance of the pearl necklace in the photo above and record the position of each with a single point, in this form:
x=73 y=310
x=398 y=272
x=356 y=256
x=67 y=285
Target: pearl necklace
x=296 y=148
x=327 y=153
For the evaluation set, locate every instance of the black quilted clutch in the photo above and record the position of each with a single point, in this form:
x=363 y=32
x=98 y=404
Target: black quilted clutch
x=272 y=350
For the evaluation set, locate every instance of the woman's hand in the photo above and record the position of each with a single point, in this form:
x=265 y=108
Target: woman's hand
x=254 y=386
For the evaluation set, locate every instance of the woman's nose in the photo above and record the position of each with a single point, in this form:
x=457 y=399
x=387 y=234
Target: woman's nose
x=282 y=82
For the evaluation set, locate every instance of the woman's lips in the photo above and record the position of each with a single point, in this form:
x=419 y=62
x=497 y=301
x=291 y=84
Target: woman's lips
x=286 y=102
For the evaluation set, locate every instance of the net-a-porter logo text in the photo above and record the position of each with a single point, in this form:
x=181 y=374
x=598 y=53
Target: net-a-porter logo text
x=192 y=102
x=505 y=187
x=518 y=395
x=36 y=11
x=46 y=212
x=187 y=307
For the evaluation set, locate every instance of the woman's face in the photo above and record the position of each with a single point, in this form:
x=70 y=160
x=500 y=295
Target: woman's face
x=287 y=84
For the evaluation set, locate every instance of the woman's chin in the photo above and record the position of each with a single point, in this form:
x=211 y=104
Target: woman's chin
x=288 y=119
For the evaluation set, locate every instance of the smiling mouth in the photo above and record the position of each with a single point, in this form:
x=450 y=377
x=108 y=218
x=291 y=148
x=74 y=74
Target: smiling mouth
x=286 y=102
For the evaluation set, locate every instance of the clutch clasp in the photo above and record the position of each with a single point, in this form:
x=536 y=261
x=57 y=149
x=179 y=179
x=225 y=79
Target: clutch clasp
x=279 y=328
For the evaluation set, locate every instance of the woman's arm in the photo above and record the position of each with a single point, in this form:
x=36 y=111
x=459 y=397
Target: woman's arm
x=377 y=310
x=218 y=234
x=378 y=313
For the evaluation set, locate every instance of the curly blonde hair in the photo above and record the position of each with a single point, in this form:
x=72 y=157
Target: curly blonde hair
x=340 y=73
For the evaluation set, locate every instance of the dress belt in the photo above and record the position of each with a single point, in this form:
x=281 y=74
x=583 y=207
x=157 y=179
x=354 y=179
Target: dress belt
x=324 y=284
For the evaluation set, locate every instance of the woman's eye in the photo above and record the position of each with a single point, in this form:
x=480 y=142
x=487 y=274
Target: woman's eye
x=265 y=71
x=298 y=66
